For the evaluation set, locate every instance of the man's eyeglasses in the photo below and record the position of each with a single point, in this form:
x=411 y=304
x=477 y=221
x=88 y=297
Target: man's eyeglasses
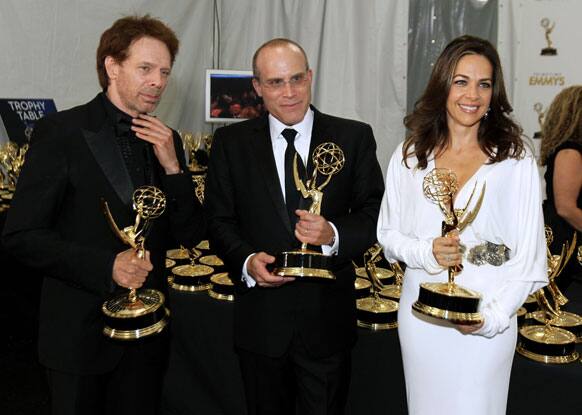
x=295 y=81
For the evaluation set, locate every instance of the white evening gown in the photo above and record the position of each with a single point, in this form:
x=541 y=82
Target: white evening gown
x=447 y=372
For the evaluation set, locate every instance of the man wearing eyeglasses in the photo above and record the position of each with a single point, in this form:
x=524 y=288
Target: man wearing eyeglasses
x=293 y=335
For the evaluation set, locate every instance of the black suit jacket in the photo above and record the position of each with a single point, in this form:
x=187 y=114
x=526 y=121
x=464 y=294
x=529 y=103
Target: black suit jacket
x=56 y=225
x=247 y=214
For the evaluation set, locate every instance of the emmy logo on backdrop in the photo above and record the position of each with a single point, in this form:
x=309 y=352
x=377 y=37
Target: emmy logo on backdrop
x=141 y=312
x=449 y=301
x=548 y=28
x=555 y=340
x=539 y=109
x=328 y=160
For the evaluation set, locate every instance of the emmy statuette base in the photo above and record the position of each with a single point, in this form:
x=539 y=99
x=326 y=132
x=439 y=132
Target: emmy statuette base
x=132 y=320
x=377 y=313
x=546 y=344
x=222 y=287
x=138 y=333
x=303 y=263
x=565 y=320
x=448 y=302
x=391 y=292
x=377 y=326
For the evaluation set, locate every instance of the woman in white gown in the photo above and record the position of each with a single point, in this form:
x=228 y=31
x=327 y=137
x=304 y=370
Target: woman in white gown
x=462 y=123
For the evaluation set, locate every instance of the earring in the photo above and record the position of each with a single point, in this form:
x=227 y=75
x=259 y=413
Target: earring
x=486 y=113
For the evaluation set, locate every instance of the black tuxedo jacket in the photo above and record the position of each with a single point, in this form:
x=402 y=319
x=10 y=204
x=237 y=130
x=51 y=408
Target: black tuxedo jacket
x=56 y=225
x=247 y=214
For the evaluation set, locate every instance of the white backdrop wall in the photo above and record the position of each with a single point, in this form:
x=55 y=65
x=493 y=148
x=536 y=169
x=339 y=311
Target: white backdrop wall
x=357 y=48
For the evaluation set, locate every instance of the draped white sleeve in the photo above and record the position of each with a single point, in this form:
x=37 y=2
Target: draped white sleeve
x=517 y=219
x=393 y=234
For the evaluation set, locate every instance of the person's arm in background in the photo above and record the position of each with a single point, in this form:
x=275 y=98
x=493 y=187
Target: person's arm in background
x=567 y=183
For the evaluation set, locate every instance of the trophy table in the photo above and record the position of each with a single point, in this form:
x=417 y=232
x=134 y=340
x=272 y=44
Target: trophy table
x=447 y=300
x=142 y=312
x=328 y=159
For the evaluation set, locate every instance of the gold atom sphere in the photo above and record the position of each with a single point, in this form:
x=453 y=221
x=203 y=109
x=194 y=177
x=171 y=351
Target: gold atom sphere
x=439 y=185
x=149 y=202
x=328 y=158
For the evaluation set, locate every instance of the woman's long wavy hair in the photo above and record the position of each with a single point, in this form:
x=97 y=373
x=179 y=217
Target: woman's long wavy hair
x=563 y=121
x=499 y=136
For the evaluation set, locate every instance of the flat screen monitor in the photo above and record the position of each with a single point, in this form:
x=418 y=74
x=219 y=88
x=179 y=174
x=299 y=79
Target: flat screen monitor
x=230 y=96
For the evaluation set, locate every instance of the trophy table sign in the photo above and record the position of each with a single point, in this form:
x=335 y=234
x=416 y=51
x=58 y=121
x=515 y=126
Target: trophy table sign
x=142 y=312
x=447 y=300
x=328 y=159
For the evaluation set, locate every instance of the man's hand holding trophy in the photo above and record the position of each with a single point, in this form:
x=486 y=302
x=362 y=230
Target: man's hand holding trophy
x=141 y=312
x=328 y=160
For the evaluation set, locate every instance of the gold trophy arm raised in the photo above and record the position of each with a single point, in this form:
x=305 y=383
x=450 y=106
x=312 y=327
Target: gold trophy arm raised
x=372 y=256
x=310 y=190
x=469 y=216
x=398 y=272
x=298 y=182
x=123 y=235
x=551 y=310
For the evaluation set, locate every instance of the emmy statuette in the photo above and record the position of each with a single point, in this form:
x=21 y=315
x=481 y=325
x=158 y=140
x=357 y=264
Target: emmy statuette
x=449 y=301
x=393 y=291
x=375 y=312
x=552 y=342
x=142 y=312
x=189 y=276
x=328 y=159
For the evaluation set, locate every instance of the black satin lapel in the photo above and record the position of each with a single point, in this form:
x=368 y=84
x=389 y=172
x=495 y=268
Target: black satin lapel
x=266 y=161
x=111 y=162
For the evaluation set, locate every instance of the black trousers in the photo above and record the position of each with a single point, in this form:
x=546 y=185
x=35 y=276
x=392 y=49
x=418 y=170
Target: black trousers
x=295 y=383
x=133 y=387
